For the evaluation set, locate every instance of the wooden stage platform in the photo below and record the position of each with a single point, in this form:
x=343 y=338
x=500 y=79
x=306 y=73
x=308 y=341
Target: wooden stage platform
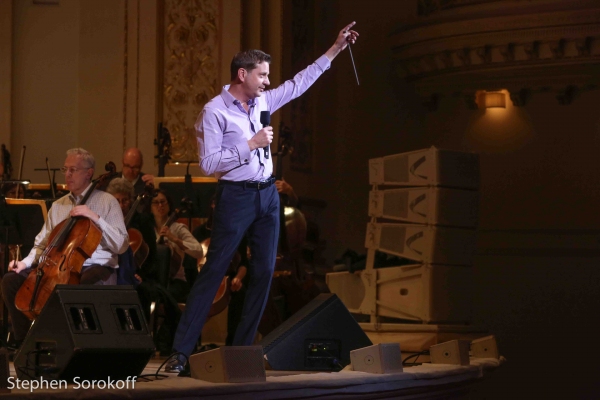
x=424 y=381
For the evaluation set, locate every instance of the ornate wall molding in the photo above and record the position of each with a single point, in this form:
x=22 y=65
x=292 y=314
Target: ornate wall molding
x=427 y=7
x=191 y=69
x=525 y=47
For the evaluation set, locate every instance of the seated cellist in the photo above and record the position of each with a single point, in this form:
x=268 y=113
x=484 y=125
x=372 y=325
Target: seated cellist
x=101 y=208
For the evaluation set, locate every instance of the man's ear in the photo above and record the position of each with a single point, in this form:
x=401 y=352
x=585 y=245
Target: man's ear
x=242 y=73
x=90 y=173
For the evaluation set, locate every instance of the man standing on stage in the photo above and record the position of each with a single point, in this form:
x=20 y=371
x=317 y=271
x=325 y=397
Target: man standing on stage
x=231 y=144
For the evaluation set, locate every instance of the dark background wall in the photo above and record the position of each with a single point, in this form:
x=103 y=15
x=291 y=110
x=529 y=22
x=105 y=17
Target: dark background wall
x=536 y=270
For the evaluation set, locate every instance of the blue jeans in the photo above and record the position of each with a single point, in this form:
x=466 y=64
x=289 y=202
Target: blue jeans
x=237 y=210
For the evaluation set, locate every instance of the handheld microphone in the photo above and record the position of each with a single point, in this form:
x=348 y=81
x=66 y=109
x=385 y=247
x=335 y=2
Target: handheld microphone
x=265 y=120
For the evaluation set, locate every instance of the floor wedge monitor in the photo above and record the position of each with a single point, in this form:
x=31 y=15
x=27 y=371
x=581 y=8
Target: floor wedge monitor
x=231 y=364
x=87 y=332
x=382 y=358
x=319 y=337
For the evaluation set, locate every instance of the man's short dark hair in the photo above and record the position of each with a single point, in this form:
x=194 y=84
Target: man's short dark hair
x=248 y=60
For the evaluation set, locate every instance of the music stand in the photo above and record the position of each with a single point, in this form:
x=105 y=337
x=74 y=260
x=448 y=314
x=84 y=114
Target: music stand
x=20 y=222
x=202 y=188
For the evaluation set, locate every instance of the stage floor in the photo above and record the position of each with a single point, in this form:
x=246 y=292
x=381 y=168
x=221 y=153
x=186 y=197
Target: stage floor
x=426 y=381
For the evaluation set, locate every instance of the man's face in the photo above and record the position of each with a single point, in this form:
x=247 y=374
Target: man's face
x=124 y=202
x=78 y=175
x=256 y=80
x=132 y=165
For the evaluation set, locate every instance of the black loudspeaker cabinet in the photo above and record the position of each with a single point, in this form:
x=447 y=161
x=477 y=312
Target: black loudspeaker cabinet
x=87 y=331
x=319 y=337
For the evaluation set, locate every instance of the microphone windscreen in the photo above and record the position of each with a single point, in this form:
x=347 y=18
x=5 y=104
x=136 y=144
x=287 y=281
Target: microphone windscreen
x=265 y=118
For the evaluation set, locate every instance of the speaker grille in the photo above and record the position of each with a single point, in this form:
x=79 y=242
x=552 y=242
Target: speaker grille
x=395 y=168
x=391 y=357
x=243 y=362
x=83 y=318
x=393 y=238
x=395 y=204
x=129 y=319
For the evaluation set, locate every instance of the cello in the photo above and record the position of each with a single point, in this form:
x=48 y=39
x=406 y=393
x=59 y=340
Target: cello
x=223 y=295
x=70 y=243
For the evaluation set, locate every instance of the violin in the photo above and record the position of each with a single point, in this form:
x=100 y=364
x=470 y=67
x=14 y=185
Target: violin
x=136 y=241
x=70 y=243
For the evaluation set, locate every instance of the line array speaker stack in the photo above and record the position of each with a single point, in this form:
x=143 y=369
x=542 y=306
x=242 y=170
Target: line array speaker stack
x=423 y=206
x=87 y=331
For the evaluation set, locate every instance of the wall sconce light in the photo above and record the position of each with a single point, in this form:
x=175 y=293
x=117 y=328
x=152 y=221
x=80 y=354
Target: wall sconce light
x=494 y=100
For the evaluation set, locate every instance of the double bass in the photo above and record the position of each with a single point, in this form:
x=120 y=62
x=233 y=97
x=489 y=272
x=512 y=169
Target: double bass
x=70 y=243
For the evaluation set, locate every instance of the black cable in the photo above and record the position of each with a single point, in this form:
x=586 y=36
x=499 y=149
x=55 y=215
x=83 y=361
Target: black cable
x=158 y=377
x=416 y=357
x=26 y=368
x=177 y=353
x=334 y=360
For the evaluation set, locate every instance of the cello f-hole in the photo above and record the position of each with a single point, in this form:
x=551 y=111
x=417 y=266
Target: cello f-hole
x=61 y=267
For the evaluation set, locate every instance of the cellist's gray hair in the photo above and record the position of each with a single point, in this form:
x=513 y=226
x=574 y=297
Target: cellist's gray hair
x=122 y=186
x=85 y=155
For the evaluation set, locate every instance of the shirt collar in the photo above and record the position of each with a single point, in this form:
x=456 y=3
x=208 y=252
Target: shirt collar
x=230 y=101
x=76 y=199
x=135 y=180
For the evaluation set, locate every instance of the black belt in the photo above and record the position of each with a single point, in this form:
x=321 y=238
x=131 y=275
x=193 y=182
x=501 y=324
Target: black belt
x=250 y=184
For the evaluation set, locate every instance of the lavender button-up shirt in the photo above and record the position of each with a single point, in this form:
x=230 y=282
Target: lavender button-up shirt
x=223 y=128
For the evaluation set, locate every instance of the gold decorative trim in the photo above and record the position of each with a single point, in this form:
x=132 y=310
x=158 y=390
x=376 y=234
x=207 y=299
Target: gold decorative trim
x=191 y=62
x=137 y=79
x=125 y=66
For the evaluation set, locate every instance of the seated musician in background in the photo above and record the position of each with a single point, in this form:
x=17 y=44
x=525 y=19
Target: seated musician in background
x=133 y=161
x=178 y=238
x=101 y=208
x=145 y=278
x=13 y=190
x=128 y=273
x=286 y=191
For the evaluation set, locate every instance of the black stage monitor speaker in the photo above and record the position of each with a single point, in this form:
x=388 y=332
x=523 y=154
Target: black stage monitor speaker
x=319 y=337
x=87 y=331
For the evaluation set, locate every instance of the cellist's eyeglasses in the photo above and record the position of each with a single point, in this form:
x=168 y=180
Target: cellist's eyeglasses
x=72 y=170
